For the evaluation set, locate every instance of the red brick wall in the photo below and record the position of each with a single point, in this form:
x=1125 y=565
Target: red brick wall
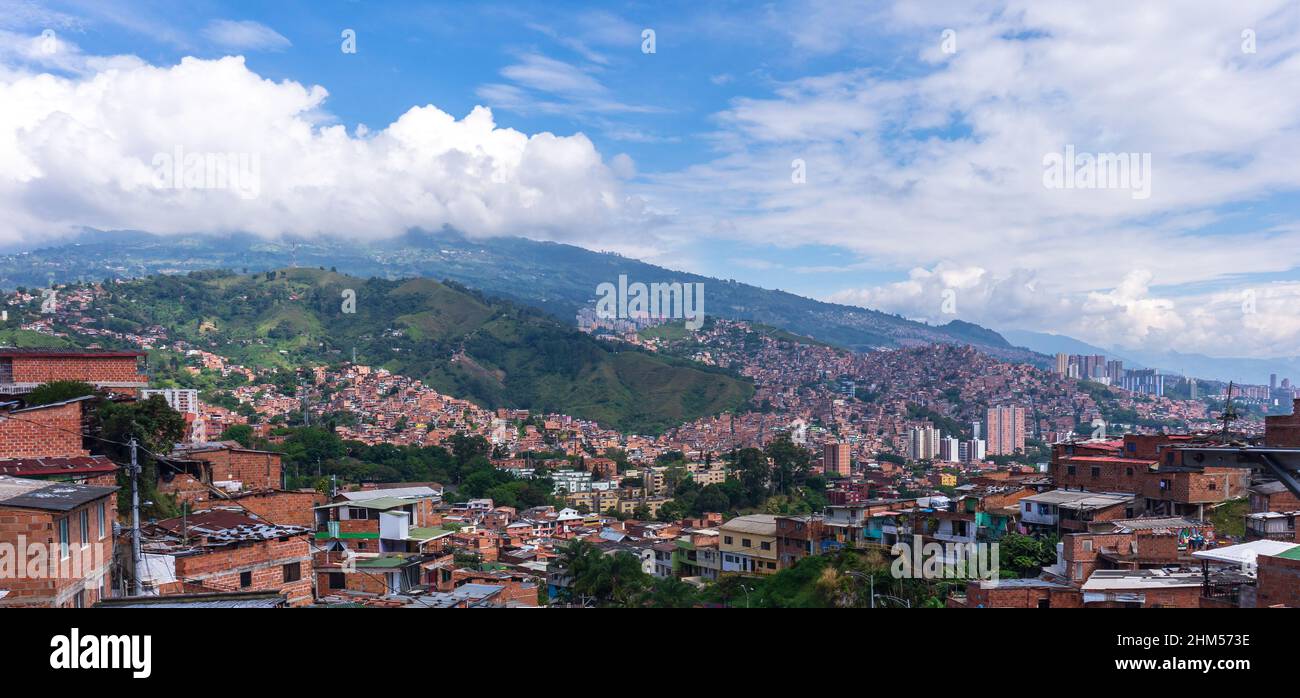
x=985 y=596
x=281 y=507
x=257 y=470
x=52 y=431
x=186 y=489
x=1111 y=476
x=1280 y=501
x=1283 y=430
x=1278 y=582
x=90 y=369
x=57 y=587
x=1214 y=484
x=219 y=569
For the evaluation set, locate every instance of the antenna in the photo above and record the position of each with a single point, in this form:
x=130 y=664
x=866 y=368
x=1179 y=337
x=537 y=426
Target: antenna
x=1228 y=414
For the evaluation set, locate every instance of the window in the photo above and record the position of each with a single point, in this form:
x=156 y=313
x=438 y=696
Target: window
x=1087 y=546
x=726 y=539
x=85 y=527
x=1069 y=469
x=1128 y=472
x=336 y=580
x=768 y=546
x=293 y=572
x=103 y=521
x=1211 y=485
x=745 y=542
x=64 y=538
x=1096 y=471
x=245 y=579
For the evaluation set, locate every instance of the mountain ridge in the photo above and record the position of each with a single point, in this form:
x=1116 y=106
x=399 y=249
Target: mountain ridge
x=556 y=277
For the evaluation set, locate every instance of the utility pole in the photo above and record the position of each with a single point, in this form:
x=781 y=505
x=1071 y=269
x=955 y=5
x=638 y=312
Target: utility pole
x=137 y=561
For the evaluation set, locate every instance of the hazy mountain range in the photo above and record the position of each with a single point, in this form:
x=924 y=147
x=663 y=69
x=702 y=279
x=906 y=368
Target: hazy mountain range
x=557 y=278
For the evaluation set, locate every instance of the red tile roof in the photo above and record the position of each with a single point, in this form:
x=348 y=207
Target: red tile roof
x=75 y=466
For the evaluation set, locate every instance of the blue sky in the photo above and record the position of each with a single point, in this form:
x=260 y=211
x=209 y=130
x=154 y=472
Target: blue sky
x=921 y=130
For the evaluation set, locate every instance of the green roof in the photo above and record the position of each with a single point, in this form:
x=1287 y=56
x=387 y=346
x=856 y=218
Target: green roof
x=389 y=561
x=428 y=533
x=325 y=535
x=1292 y=554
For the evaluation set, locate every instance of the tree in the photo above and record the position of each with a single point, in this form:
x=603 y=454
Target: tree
x=239 y=432
x=600 y=579
x=671 y=592
x=790 y=463
x=754 y=473
x=58 y=391
x=1025 y=556
x=157 y=428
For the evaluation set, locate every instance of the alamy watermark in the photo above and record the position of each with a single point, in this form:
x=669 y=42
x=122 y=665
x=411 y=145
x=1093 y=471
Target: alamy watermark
x=655 y=301
x=934 y=560
x=237 y=172
x=1072 y=170
x=26 y=559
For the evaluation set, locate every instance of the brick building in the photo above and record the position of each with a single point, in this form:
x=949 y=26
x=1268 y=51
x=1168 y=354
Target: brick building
x=1132 y=544
x=1143 y=589
x=1283 y=430
x=235 y=468
x=45 y=442
x=120 y=372
x=1272 y=496
x=1279 y=580
x=1016 y=593
x=64 y=534
x=1152 y=467
x=45 y=430
x=227 y=550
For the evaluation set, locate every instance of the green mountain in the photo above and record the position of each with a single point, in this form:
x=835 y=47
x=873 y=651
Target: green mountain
x=557 y=278
x=461 y=342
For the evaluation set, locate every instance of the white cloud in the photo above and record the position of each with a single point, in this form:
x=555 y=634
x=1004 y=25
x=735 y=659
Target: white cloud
x=81 y=152
x=1256 y=320
x=244 y=35
x=939 y=165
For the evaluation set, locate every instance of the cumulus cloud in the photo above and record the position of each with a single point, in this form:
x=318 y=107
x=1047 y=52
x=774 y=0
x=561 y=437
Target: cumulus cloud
x=1238 y=320
x=940 y=166
x=89 y=151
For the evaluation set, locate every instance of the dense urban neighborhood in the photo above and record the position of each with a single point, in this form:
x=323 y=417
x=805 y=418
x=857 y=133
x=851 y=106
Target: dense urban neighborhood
x=142 y=464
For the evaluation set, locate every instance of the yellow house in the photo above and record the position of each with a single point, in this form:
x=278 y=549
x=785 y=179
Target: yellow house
x=748 y=545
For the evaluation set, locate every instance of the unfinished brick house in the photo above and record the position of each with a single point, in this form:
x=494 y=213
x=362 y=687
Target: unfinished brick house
x=45 y=443
x=69 y=527
x=227 y=550
x=1128 y=544
x=1153 y=468
x=1279 y=580
x=117 y=372
x=1283 y=430
x=1017 y=593
x=235 y=468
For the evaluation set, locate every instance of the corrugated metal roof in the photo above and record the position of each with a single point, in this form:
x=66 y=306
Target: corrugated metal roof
x=39 y=494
